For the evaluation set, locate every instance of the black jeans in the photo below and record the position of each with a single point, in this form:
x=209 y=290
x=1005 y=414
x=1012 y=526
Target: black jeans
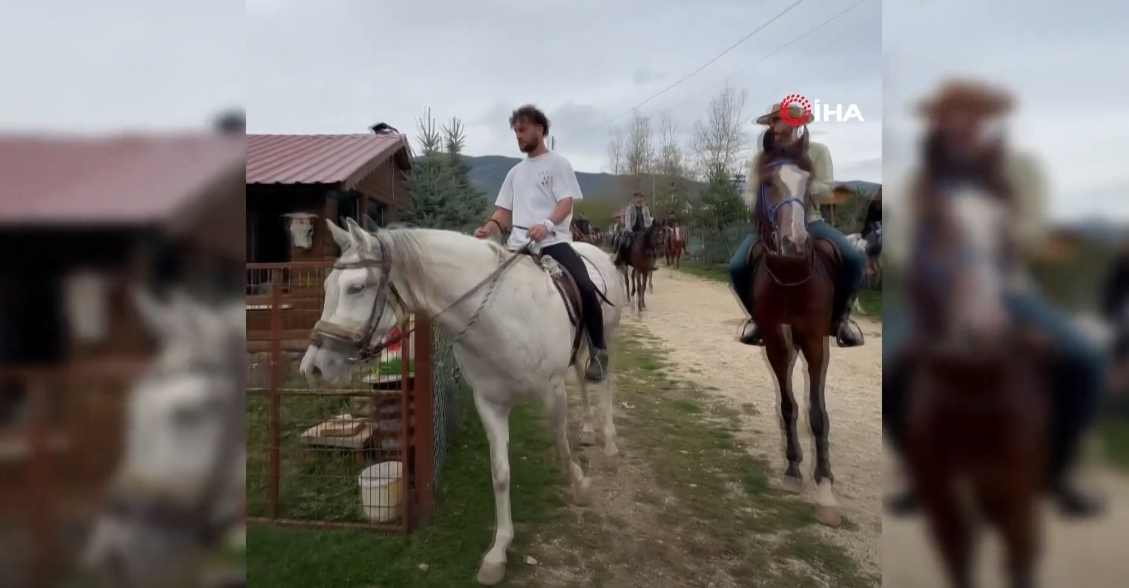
x=593 y=312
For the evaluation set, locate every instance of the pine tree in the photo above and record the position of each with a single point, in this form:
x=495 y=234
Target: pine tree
x=440 y=193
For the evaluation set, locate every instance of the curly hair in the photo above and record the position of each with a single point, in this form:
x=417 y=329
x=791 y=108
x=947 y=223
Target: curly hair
x=532 y=115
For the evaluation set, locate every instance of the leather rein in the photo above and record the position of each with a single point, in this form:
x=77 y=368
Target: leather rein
x=362 y=338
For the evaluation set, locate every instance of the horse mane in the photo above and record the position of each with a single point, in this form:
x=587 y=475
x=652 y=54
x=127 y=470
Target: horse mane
x=413 y=245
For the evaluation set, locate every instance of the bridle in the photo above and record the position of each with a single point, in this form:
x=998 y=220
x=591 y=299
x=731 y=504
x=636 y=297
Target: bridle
x=361 y=338
x=768 y=212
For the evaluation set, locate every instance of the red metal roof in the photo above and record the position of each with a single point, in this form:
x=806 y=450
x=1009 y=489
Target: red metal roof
x=122 y=180
x=321 y=159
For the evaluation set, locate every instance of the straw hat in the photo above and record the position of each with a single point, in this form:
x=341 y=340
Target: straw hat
x=794 y=111
x=972 y=96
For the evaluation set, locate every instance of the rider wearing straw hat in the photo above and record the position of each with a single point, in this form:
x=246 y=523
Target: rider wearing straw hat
x=854 y=264
x=957 y=117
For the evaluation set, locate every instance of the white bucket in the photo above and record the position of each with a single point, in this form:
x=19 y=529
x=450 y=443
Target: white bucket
x=380 y=491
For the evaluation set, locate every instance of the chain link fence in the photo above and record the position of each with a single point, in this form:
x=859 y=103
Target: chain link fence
x=362 y=454
x=714 y=245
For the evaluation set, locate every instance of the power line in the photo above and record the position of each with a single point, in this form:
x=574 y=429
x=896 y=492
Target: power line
x=691 y=74
x=763 y=59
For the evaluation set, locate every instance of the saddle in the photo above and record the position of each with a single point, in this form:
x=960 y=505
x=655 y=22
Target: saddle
x=758 y=249
x=566 y=286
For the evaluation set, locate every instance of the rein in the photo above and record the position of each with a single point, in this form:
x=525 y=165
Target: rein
x=368 y=350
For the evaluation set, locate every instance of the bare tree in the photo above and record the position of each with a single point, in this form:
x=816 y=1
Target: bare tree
x=617 y=148
x=670 y=166
x=639 y=156
x=719 y=141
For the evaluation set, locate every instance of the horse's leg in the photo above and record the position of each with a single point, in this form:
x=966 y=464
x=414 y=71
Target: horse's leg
x=495 y=419
x=952 y=533
x=1016 y=519
x=607 y=397
x=587 y=432
x=651 y=282
x=782 y=356
x=557 y=404
x=815 y=347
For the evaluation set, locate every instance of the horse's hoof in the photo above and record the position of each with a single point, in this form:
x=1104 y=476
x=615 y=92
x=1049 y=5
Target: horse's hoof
x=491 y=574
x=793 y=485
x=581 y=492
x=587 y=438
x=828 y=516
x=611 y=450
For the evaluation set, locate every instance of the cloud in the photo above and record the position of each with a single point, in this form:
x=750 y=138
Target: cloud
x=1057 y=58
x=337 y=68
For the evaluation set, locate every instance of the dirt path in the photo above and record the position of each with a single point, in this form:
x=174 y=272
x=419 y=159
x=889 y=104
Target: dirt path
x=698 y=319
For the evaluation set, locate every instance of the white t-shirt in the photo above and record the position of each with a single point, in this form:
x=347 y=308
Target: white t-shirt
x=532 y=190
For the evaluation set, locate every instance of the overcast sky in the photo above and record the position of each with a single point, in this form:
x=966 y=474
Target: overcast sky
x=114 y=65
x=337 y=67
x=1065 y=62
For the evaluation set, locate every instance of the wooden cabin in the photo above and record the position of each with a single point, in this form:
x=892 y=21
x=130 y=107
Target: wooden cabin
x=90 y=219
x=294 y=183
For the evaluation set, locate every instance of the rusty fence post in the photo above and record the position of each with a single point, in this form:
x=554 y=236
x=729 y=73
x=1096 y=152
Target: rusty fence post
x=274 y=426
x=424 y=422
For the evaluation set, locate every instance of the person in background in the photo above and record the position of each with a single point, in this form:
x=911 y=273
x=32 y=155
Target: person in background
x=636 y=220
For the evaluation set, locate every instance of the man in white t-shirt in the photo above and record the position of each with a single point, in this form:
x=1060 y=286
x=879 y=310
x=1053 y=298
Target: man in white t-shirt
x=535 y=202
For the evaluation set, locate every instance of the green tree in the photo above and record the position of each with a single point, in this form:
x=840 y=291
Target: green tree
x=440 y=192
x=721 y=202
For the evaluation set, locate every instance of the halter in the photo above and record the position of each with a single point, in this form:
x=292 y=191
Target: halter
x=769 y=210
x=362 y=338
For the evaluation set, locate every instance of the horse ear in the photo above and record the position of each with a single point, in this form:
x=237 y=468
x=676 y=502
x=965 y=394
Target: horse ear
x=369 y=224
x=340 y=236
x=154 y=313
x=357 y=233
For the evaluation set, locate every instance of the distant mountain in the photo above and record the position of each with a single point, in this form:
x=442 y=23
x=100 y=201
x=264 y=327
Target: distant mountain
x=489 y=171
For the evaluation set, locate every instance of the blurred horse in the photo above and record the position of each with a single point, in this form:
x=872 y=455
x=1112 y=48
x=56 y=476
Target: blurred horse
x=640 y=260
x=179 y=490
x=675 y=245
x=978 y=402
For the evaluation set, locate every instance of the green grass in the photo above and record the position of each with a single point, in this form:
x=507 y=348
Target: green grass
x=1115 y=441
x=393 y=367
x=451 y=547
x=716 y=510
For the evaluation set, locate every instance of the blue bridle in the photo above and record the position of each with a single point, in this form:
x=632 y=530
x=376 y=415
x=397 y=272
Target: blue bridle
x=770 y=209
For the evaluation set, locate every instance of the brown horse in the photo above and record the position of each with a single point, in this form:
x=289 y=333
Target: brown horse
x=641 y=260
x=675 y=246
x=578 y=236
x=979 y=403
x=793 y=286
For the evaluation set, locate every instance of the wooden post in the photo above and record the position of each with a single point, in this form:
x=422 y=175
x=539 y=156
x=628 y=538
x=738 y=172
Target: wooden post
x=425 y=421
x=274 y=425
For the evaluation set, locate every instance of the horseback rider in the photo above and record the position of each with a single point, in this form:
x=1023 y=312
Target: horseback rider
x=535 y=202
x=957 y=120
x=636 y=220
x=854 y=264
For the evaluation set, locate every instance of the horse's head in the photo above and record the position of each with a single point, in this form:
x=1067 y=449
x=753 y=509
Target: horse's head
x=361 y=306
x=783 y=179
x=178 y=487
x=959 y=277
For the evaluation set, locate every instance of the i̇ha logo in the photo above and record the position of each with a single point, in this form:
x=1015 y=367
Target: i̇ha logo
x=826 y=114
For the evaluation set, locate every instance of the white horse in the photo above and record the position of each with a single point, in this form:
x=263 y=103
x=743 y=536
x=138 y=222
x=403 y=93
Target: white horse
x=178 y=490
x=512 y=334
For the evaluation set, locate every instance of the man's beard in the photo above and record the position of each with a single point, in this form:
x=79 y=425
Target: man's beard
x=528 y=147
